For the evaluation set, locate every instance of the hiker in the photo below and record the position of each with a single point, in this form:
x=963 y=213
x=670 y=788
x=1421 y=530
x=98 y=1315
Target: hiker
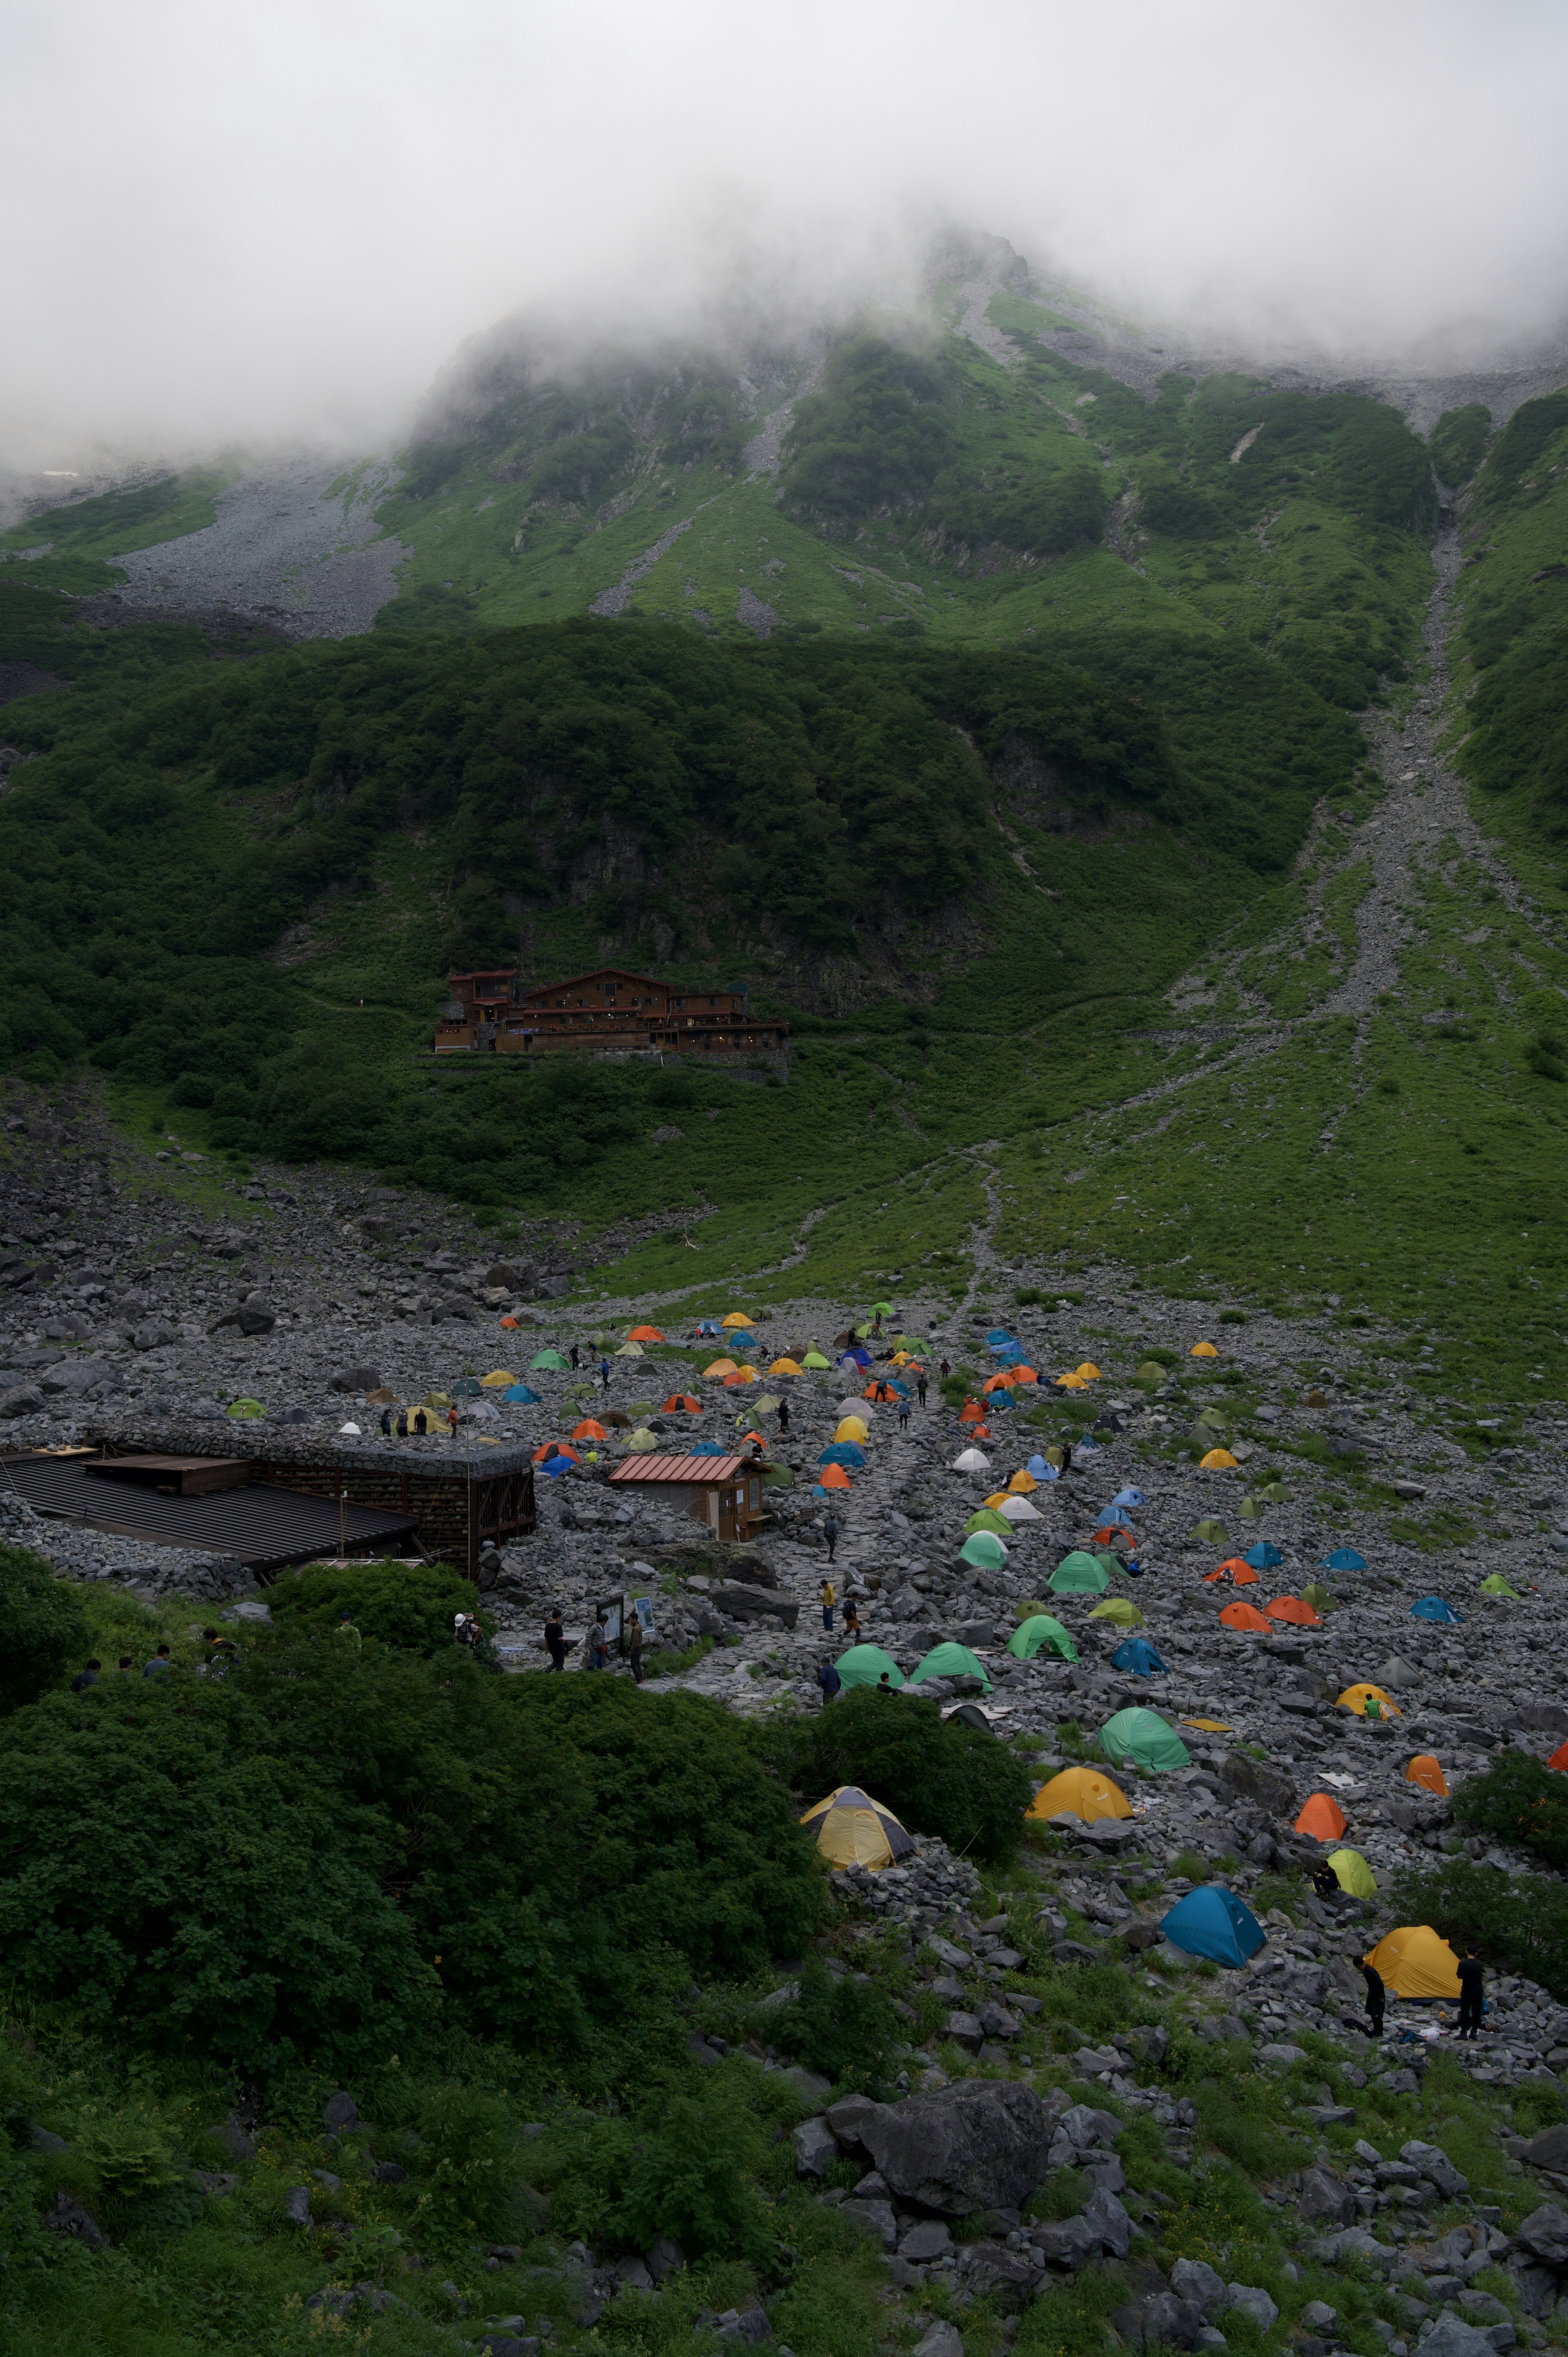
x=851 y=1618
x=421 y=1423
x=85 y=1678
x=783 y=1416
x=920 y=1389
x=828 y=1679
x=605 y=1373
x=831 y=1533
x=876 y=1327
x=944 y=1370
x=884 y=1683
x=467 y=1630
x=1066 y=1457
x=347 y=1634
x=1324 y=1881
x=634 y=1646
x=903 y=1414
x=126 y=1664
x=160 y=1666
x=451 y=1420
x=555 y=1639
x=1471 y=2003
x=1376 y=1997
x=386 y=1424
x=575 y=1360
x=829 y=1599
x=598 y=1645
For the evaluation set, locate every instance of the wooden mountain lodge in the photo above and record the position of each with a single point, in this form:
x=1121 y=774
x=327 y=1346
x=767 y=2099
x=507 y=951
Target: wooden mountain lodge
x=606 y=1012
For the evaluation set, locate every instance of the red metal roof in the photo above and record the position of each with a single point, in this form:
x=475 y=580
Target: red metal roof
x=680 y=1468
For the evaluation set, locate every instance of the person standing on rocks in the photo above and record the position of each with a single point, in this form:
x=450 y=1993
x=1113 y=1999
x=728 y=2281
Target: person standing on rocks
x=831 y=1533
x=556 y=1639
x=605 y=1373
x=634 y=1645
x=852 y=1620
x=421 y=1423
x=920 y=1388
x=1377 y=1998
x=829 y=1600
x=1472 y=2003
x=903 y=1414
x=451 y=1420
x=828 y=1678
x=386 y=1424
x=783 y=1416
x=944 y=1370
x=596 y=1646
x=575 y=1361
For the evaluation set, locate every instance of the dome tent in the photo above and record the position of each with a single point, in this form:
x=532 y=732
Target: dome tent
x=1081 y=1792
x=1352 y=1873
x=1037 y=1633
x=1358 y=1697
x=864 y=1665
x=1078 y=1573
x=1434 y=1607
x=1321 y=1818
x=1413 y=1962
x=851 y=1829
x=1146 y=1738
x=1426 y=1771
x=949 y=1661
x=984 y=1550
x=1136 y=1654
x=1213 y=1922
x=1120 y=1609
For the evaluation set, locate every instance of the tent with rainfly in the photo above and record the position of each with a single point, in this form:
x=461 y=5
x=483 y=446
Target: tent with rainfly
x=951 y=1661
x=1368 y=1702
x=985 y=1519
x=1263 y=1557
x=1213 y=1533
x=1427 y=1771
x=1037 y=1634
x=1245 y=1616
x=867 y=1665
x=1321 y=1818
x=1294 y=1610
x=551 y=1359
x=1081 y=1792
x=1138 y=1656
x=520 y=1395
x=1121 y=1609
x=1415 y=1962
x=851 y=1829
x=1496 y=1585
x=1144 y=1737
x=1352 y=1873
x=1434 y=1607
x=984 y=1550
x=1344 y=1559
x=1079 y=1574
x=844 y=1452
x=1318 y=1596
x=1214 y=1922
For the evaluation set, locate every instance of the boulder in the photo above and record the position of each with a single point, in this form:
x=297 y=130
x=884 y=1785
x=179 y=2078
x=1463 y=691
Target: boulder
x=979 y=2145
x=1549 y=2149
x=815 y=2146
x=1196 y=2281
x=847 y=2119
x=756 y=1604
x=69 y=2217
x=1324 y=2195
x=355 y=1379
x=1434 y=2162
x=23 y=1401
x=940 y=2341
x=1253 y=1779
x=876 y=2217
x=1545 y=1718
x=751 y=2327
x=1004 y=2277
x=1253 y=2302
x=930 y=2239
x=1452 y=2337
x=665 y=2259
x=1161 y=2320
x=1278 y=2056
x=340 y=2111
x=297 y=2205
x=1544 y=2232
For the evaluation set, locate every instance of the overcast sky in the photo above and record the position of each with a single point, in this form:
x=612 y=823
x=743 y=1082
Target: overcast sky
x=281 y=219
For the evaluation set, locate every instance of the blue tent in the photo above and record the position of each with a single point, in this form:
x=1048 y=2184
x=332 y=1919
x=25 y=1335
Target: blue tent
x=1111 y=1518
x=1434 y=1607
x=1138 y=1656
x=1344 y=1559
x=894 y=1386
x=1263 y=1557
x=520 y=1396
x=553 y=1466
x=999 y=1339
x=707 y=1448
x=861 y=1358
x=844 y=1452
x=1086 y=1448
x=1214 y=1922
x=1129 y=1498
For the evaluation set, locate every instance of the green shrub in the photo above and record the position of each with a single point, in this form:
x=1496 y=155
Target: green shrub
x=43 y=1629
x=1518 y=1798
x=1459 y=441
x=681 y=2162
x=844 y=2029
x=413 y=1605
x=945 y=1778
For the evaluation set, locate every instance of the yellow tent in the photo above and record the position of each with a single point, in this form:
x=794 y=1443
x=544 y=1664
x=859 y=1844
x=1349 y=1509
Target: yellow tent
x=1022 y=1483
x=852 y=1428
x=997 y=1497
x=628 y=1350
x=851 y=1829
x=1218 y=1460
x=1080 y=1792
x=1356 y=1698
x=783 y=1367
x=1120 y=1609
x=497 y=1380
x=1071 y=1384
x=1203 y=1350
x=738 y=1318
x=1352 y=1873
x=1413 y=1962
x=1088 y=1371
x=719 y=1367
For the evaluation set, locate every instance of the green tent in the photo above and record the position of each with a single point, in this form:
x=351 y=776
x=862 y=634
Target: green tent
x=1079 y=1574
x=986 y=1518
x=777 y=1477
x=863 y=1665
x=1142 y=1737
x=1493 y=1584
x=984 y=1550
x=1318 y=1596
x=1215 y=1533
x=950 y=1662
x=1249 y=1511
x=547 y=1359
x=245 y=1410
x=1275 y=1493
x=1352 y=1873
x=1034 y=1635
x=814 y=1359
x=1151 y=1372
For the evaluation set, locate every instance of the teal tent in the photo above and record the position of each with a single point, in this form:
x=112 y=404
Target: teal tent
x=1144 y=1737
x=864 y=1665
x=950 y=1662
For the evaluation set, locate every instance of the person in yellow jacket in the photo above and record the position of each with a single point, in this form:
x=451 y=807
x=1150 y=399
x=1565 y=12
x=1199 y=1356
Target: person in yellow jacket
x=829 y=1600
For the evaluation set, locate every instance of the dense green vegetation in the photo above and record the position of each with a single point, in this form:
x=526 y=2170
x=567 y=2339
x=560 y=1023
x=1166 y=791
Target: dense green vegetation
x=42 y=1628
x=951 y=1779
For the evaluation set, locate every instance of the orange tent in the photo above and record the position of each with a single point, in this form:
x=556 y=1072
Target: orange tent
x=719 y=1367
x=1111 y=1533
x=645 y=1334
x=589 y=1430
x=1292 y=1609
x=1323 y=1818
x=1239 y=1574
x=1424 y=1770
x=682 y=1402
x=970 y=1412
x=552 y=1449
x=1244 y=1616
x=1560 y=1757
x=509 y=1321
x=1001 y=1382
x=1025 y=1375
x=834 y=1477
x=740 y=1375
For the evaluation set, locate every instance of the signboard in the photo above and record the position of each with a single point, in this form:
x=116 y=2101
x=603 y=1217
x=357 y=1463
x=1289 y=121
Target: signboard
x=643 y=1607
x=612 y=1612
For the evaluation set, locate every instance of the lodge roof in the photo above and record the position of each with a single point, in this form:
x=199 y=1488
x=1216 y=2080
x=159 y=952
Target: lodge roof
x=709 y=1469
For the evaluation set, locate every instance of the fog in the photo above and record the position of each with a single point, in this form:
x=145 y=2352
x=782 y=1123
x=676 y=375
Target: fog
x=232 y=226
